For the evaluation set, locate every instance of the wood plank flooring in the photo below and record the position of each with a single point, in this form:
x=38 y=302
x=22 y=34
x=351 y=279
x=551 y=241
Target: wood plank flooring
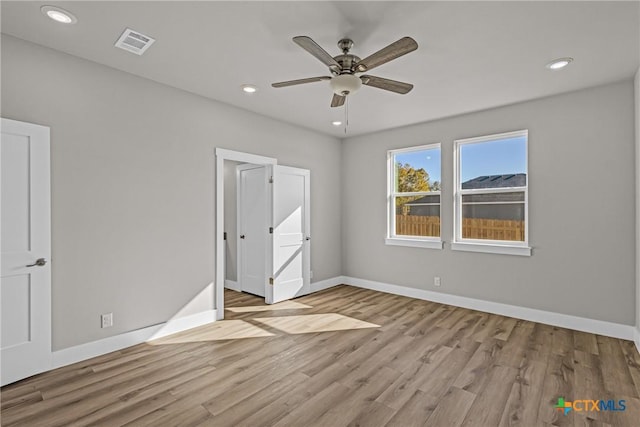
x=341 y=357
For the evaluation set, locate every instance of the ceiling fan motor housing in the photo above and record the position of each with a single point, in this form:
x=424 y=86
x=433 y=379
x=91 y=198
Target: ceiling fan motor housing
x=347 y=63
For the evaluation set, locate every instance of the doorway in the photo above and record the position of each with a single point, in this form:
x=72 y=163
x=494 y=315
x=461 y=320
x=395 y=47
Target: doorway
x=223 y=155
x=286 y=271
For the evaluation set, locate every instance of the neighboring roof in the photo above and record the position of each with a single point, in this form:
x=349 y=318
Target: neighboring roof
x=496 y=181
x=486 y=181
x=431 y=198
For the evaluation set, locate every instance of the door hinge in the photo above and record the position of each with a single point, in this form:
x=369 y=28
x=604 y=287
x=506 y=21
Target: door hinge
x=270 y=180
x=271 y=280
x=270 y=230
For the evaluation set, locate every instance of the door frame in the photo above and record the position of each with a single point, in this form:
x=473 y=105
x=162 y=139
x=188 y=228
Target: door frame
x=221 y=155
x=239 y=221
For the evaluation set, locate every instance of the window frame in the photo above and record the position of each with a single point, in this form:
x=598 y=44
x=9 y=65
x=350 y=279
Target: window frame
x=404 y=240
x=505 y=247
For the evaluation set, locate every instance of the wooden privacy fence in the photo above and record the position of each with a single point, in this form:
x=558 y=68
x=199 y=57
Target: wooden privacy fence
x=472 y=228
x=414 y=225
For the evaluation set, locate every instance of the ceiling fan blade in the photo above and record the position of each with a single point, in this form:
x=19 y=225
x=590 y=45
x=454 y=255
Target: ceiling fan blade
x=300 y=81
x=314 y=49
x=386 y=84
x=337 y=100
x=384 y=55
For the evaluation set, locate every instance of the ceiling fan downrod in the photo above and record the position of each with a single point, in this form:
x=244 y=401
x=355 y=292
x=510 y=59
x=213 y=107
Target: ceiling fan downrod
x=345 y=45
x=347 y=61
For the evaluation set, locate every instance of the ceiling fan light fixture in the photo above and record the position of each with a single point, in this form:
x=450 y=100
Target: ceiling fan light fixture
x=345 y=84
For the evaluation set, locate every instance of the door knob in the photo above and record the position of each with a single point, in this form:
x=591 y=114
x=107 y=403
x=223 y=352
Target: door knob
x=307 y=238
x=39 y=262
x=242 y=236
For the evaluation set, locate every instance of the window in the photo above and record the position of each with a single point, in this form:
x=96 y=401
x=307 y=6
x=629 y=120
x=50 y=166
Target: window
x=491 y=200
x=413 y=198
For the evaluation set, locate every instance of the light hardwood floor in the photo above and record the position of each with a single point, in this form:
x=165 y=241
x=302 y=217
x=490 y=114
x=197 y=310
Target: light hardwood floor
x=344 y=356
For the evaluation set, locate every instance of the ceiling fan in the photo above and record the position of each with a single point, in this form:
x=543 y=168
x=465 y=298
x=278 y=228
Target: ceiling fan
x=345 y=68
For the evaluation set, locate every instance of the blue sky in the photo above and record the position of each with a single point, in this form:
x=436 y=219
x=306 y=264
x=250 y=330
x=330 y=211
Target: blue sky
x=504 y=156
x=428 y=160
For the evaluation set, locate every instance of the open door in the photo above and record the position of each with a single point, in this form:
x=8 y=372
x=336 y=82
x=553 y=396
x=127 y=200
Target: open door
x=253 y=224
x=290 y=240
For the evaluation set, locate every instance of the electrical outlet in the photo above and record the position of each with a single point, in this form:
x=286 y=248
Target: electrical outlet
x=311 y=274
x=106 y=320
x=436 y=281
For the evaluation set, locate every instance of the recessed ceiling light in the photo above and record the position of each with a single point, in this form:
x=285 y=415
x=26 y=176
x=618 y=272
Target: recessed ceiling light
x=249 y=88
x=59 y=15
x=559 y=63
x=336 y=123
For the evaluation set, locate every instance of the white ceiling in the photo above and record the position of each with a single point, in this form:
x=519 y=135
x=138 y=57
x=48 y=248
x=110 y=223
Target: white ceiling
x=472 y=55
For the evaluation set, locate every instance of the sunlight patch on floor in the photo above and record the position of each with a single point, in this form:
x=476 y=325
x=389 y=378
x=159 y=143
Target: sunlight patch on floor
x=217 y=331
x=285 y=305
x=309 y=323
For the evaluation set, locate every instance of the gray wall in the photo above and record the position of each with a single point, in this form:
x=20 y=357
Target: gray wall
x=583 y=262
x=133 y=187
x=637 y=182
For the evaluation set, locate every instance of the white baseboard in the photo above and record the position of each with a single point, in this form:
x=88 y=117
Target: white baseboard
x=233 y=285
x=583 y=324
x=637 y=340
x=183 y=323
x=315 y=287
x=327 y=283
x=86 y=351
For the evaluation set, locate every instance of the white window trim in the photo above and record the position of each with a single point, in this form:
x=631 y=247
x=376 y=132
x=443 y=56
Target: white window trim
x=411 y=241
x=488 y=246
x=429 y=243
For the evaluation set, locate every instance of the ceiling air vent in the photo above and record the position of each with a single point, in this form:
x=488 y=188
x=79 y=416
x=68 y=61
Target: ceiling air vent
x=134 y=42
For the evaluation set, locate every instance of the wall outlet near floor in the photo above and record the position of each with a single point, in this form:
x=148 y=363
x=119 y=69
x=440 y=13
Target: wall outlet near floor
x=436 y=281
x=311 y=274
x=106 y=320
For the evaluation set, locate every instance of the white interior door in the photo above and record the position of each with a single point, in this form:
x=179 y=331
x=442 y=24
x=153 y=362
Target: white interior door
x=25 y=283
x=252 y=213
x=291 y=241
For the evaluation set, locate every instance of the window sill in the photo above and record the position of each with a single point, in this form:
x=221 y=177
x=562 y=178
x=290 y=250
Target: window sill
x=491 y=248
x=416 y=243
